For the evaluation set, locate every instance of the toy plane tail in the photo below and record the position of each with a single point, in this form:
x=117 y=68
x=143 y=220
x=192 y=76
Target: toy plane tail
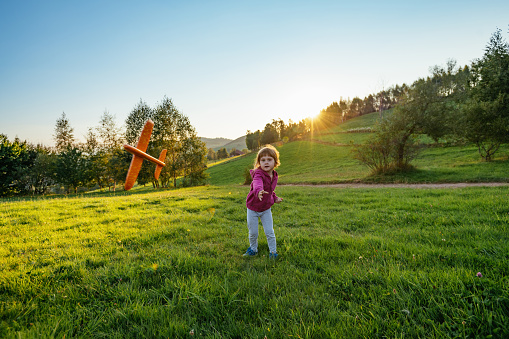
x=162 y=156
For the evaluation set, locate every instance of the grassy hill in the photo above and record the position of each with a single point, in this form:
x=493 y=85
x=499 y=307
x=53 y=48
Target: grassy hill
x=327 y=158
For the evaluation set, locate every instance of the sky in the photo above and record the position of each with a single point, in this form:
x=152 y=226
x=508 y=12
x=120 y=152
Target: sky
x=230 y=66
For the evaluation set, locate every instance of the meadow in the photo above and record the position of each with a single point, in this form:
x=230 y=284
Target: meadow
x=353 y=263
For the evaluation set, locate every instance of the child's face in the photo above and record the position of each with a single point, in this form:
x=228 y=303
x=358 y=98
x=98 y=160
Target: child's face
x=267 y=163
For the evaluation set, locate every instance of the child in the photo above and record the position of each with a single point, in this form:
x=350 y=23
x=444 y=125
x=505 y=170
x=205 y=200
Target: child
x=260 y=199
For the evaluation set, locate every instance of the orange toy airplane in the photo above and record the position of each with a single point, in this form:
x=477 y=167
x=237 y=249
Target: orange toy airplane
x=139 y=154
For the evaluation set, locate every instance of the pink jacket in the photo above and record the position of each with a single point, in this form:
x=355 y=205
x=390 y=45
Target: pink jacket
x=261 y=181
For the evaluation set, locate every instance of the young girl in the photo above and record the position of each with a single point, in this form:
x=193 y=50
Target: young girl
x=260 y=199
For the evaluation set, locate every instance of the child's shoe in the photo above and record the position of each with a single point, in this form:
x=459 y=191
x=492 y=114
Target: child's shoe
x=272 y=255
x=250 y=253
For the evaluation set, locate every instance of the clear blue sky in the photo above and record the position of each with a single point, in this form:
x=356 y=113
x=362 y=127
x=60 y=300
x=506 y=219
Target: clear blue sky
x=229 y=66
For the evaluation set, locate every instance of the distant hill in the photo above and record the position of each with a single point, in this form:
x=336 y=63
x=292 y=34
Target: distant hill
x=239 y=144
x=216 y=142
x=229 y=144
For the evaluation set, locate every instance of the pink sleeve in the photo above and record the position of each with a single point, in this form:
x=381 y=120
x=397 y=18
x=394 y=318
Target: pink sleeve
x=257 y=183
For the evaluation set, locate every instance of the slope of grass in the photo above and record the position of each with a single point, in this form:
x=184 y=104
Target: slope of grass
x=327 y=158
x=366 y=263
x=315 y=163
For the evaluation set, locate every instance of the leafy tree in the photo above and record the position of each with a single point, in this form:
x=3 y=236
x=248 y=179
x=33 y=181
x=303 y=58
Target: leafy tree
x=194 y=154
x=110 y=148
x=64 y=133
x=355 y=108
x=134 y=125
x=41 y=175
x=430 y=106
x=15 y=160
x=368 y=105
x=170 y=129
x=222 y=153
x=173 y=131
x=253 y=140
x=486 y=119
x=269 y=135
x=72 y=168
x=392 y=147
x=98 y=158
x=211 y=154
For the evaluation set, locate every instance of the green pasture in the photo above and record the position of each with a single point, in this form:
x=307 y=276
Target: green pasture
x=327 y=158
x=353 y=263
x=308 y=162
x=357 y=263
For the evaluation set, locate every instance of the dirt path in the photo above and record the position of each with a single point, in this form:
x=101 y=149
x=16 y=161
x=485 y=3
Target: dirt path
x=445 y=185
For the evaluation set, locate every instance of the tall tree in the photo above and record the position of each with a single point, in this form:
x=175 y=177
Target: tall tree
x=15 y=159
x=134 y=125
x=110 y=148
x=72 y=168
x=64 y=133
x=486 y=119
x=269 y=134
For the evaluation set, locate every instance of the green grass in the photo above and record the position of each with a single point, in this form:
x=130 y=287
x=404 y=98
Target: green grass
x=353 y=263
x=359 y=263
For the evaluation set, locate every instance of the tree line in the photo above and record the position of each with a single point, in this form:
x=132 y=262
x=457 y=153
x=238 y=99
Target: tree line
x=101 y=161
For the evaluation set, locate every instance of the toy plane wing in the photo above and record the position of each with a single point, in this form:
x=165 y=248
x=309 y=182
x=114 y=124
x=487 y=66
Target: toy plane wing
x=139 y=155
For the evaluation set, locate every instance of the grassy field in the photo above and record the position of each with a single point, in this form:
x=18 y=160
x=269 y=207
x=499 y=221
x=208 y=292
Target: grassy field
x=354 y=263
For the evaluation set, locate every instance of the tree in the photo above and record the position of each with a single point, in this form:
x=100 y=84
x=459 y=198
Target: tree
x=15 y=160
x=430 y=106
x=211 y=154
x=253 y=140
x=392 y=147
x=170 y=129
x=72 y=168
x=368 y=105
x=222 y=153
x=40 y=176
x=269 y=135
x=98 y=159
x=194 y=159
x=486 y=118
x=110 y=148
x=64 y=133
x=355 y=108
x=173 y=131
x=134 y=125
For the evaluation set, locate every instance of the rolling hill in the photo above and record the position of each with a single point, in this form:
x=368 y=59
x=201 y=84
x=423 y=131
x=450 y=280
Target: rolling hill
x=327 y=158
x=229 y=144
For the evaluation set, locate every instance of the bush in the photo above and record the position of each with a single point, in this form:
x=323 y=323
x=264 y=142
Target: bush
x=392 y=148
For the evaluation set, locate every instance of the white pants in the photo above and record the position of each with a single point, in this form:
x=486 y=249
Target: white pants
x=268 y=228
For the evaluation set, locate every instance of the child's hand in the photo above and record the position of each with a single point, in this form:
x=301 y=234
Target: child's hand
x=261 y=193
x=278 y=200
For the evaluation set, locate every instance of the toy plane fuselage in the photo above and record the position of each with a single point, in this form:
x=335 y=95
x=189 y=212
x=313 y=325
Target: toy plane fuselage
x=139 y=155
